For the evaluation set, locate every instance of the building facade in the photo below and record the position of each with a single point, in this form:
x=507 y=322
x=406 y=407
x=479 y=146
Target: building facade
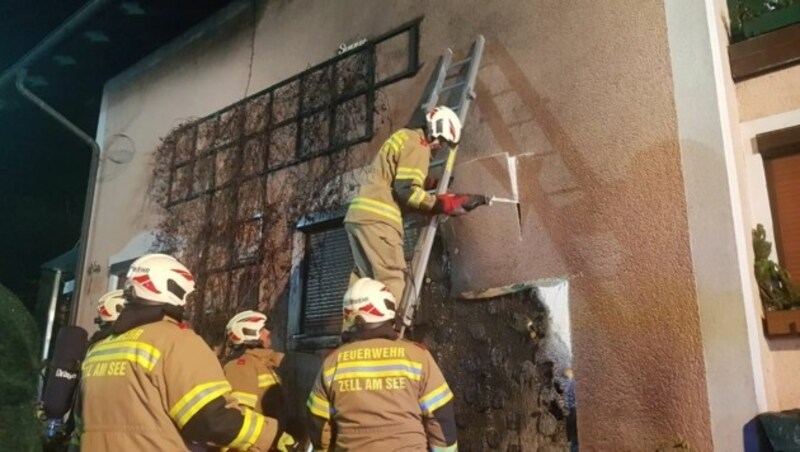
x=632 y=161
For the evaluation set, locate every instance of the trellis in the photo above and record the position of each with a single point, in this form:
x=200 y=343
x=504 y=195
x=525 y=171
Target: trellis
x=235 y=182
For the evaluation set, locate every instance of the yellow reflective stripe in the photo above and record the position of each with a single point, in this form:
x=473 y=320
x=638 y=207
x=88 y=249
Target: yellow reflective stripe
x=452 y=448
x=374 y=363
x=137 y=352
x=266 y=380
x=373 y=202
x=378 y=208
x=245 y=398
x=451 y=159
x=436 y=398
x=196 y=399
x=390 y=147
x=375 y=369
x=252 y=425
x=319 y=406
x=416 y=198
x=414 y=174
x=394 y=142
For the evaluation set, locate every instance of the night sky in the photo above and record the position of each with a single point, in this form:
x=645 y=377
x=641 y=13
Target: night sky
x=43 y=168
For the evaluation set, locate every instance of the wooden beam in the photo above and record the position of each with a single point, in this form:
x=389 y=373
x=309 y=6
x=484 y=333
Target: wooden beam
x=765 y=53
x=779 y=143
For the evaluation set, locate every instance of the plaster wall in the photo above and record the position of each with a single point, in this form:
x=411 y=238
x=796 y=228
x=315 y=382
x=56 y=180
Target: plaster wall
x=580 y=92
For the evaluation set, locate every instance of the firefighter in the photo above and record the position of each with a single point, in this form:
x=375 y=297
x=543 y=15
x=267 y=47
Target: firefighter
x=253 y=369
x=154 y=383
x=109 y=306
x=378 y=392
x=396 y=181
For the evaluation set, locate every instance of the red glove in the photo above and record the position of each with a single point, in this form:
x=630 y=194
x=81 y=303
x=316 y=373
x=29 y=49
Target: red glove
x=454 y=205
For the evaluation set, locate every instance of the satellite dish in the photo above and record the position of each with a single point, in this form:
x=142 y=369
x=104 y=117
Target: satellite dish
x=120 y=149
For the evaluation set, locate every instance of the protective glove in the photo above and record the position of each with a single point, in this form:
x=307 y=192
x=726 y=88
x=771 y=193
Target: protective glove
x=454 y=205
x=286 y=443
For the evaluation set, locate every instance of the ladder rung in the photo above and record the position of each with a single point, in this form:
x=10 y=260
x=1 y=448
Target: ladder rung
x=460 y=63
x=449 y=87
x=437 y=163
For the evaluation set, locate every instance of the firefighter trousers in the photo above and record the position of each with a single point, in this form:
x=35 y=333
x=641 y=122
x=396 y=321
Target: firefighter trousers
x=378 y=254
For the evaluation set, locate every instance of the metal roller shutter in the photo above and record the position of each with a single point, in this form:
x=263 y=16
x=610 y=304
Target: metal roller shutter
x=329 y=263
x=327 y=275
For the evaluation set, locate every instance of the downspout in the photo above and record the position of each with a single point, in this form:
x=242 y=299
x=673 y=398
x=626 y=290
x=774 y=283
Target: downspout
x=76 y=20
x=51 y=317
x=88 y=203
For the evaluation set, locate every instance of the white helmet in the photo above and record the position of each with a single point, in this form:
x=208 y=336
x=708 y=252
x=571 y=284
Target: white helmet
x=444 y=123
x=244 y=327
x=160 y=278
x=369 y=299
x=110 y=305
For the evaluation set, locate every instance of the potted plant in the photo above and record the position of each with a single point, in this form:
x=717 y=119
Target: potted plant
x=779 y=297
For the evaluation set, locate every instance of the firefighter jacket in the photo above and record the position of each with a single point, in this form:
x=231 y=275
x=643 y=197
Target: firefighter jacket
x=254 y=379
x=394 y=181
x=381 y=394
x=155 y=384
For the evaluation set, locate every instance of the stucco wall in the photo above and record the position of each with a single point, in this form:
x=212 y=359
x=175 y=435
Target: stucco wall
x=770 y=94
x=582 y=89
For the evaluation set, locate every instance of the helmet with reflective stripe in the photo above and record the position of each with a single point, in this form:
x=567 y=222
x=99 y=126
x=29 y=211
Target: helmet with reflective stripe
x=159 y=278
x=444 y=123
x=245 y=326
x=369 y=300
x=110 y=305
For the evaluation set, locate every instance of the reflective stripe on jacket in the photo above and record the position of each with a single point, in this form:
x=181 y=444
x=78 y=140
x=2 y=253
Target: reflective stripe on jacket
x=252 y=375
x=156 y=384
x=394 y=181
x=382 y=394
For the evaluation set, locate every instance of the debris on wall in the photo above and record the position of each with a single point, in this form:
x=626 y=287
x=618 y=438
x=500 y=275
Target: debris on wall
x=511 y=375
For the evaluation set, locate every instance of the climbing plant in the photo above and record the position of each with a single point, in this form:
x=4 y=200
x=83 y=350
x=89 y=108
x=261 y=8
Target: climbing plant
x=774 y=283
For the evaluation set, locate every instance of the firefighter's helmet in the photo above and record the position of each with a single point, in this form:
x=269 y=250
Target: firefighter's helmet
x=110 y=305
x=444 y=123
x=161 y=279
x=244 y=327
x=370 y=300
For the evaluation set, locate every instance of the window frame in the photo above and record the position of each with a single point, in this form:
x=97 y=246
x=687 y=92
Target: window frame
x=774 y=145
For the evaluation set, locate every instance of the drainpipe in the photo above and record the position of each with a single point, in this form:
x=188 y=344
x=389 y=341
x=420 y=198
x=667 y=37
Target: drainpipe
x=51 y=317
x=89 y=202
x=76 y=20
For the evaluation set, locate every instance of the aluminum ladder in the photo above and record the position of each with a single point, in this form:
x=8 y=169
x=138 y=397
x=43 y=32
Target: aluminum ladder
x=451 y=85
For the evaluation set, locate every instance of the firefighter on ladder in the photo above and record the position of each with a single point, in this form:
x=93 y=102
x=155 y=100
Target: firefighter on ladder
x=395 y=181
x=154 y=384
x=378 y=392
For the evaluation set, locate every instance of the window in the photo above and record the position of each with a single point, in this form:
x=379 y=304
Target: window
x=118 y=274
x=320 y=277
x=781 y=153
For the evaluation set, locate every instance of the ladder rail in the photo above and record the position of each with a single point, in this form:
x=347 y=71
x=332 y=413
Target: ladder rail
x=447 y=58
x=422 y=250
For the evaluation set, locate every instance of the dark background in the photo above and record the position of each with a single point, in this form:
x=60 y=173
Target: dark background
x=43 y=167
